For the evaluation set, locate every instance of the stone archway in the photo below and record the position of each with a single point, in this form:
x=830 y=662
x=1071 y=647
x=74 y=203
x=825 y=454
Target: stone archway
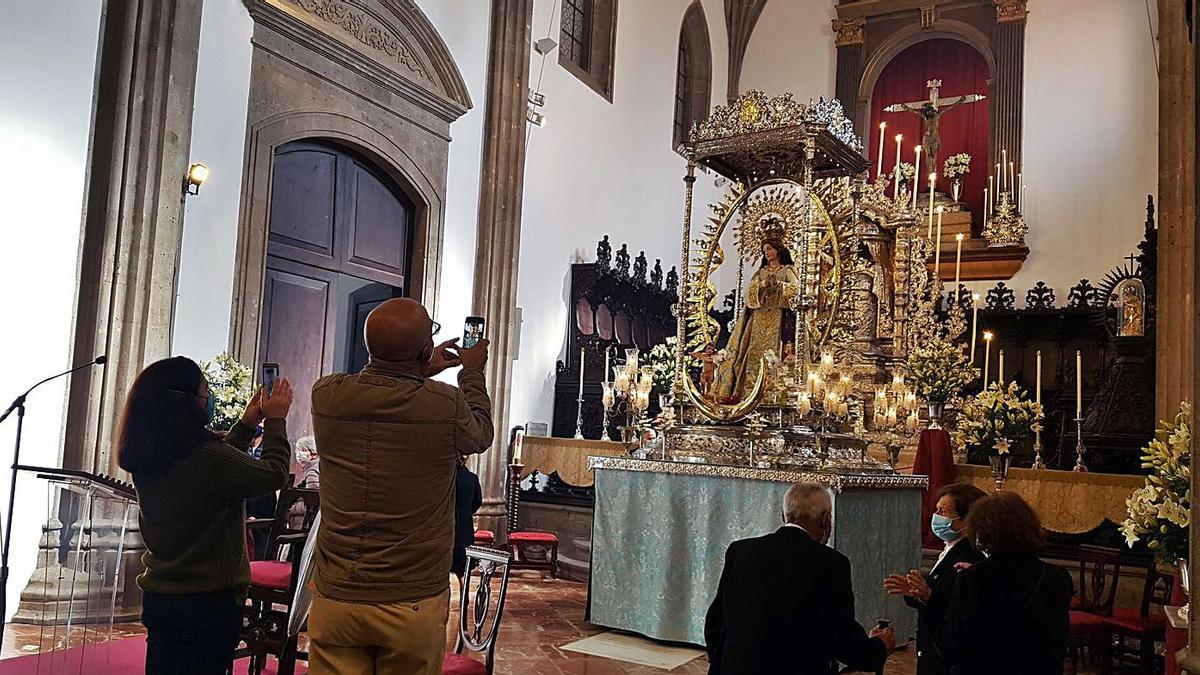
x=372 y=75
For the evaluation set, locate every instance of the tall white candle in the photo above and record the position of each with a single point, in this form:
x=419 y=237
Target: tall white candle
x=1003 y=168
x=607 y=364
x=1012 y=183
x=581 y=373
x=958 y=239
x=999 y=180
x=937 y=249
x=916 y=174
x=1000 y=370
x=896 y=171
x=879 y=167
x=1038 y=395
x=986 y=206
x=1078 y=384
x=932 y=189
x=989 y=194
x=987 y=356
x=1020 y=196
x=974 y=323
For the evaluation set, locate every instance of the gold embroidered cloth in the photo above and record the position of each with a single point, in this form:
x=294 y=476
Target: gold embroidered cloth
x=1066 y=501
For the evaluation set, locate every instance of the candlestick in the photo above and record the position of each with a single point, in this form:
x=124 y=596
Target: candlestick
x=579 y=400
x=1078 y=383
x=518 y=443
x=937 y=250
x=986 y=207
x=1079 y=449
x=1020 y=196
x=1038 y=395
x=896 y=171
x=879 y=167
x=1000 y=370
x=987 y=355
x=958 y=240
x=916 y=172
x=607 y=363
x=1003 y=168
x=974 y=324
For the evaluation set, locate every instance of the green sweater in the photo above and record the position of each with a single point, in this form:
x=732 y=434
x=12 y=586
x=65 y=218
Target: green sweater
x=193 y=516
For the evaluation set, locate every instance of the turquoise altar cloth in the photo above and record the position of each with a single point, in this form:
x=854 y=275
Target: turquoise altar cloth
x=660 y=531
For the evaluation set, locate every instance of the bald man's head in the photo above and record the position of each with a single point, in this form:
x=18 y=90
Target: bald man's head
x=399 y=330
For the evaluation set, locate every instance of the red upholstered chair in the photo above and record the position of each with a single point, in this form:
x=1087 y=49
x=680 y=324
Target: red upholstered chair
x=273 y=583
x=1099 y=572
x=534 y=549
x=1147 y=624
x=485 y=538
x=479 y=620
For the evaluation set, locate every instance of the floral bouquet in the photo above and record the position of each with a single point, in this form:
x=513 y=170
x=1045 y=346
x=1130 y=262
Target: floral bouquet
x=957 y=166
x=938 y=369
x=908 y=173
x=1158 y=512
x=996 y=419
x=232 y=385
x=662 y=360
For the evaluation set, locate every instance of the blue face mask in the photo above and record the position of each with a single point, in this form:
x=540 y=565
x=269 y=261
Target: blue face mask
x=941 y=527
x=211 y=411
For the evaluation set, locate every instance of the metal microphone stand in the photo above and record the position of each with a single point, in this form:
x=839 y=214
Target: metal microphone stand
x=18 y=405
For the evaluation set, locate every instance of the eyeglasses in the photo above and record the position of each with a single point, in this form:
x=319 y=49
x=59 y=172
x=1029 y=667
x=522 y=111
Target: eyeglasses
x=437 y=328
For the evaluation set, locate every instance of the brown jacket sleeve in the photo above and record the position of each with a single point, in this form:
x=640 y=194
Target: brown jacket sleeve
x=230 y=472
x=473 y=429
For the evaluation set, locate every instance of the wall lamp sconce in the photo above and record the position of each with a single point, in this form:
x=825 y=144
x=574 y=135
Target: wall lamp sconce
x=544 y=46
x=535 y=118
x=197 y=173
x=536 y=98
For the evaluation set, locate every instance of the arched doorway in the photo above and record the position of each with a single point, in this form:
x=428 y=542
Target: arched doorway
x=339 y=242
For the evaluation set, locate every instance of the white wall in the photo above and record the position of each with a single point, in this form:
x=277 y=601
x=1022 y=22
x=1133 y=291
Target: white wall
x=601 y=168
x=791 y=49
x=1090 y=122
x=205 y=292
x=45 y=116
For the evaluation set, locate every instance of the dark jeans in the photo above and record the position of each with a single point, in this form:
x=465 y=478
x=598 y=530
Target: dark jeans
x=191 y=633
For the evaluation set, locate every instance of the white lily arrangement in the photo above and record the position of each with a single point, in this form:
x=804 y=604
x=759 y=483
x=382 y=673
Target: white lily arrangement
x=1158 y=511
x=995 y=420
x=957 y=166
x=938 y=369
x=662 y=362
x=232 y=385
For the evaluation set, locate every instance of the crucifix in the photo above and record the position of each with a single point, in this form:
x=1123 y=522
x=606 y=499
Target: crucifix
x=931 y=111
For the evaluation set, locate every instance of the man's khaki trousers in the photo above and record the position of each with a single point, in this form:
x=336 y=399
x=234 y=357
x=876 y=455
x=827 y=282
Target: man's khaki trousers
x=348 y=638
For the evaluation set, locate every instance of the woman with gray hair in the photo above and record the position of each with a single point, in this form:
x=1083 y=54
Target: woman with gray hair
x=308 y=468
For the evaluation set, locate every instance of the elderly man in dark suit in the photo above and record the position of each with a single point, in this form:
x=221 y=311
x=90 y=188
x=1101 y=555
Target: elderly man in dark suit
x=785 y=602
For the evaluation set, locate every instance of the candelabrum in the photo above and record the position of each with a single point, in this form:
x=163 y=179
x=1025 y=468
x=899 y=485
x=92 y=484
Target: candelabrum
x=1006 y=226
x=579 y=419
x=1079 y=449
x=609 y=398
x=1038 y=463
x=630 y=388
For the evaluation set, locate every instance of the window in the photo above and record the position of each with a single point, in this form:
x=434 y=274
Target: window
x=587 y=41
x=693 y=74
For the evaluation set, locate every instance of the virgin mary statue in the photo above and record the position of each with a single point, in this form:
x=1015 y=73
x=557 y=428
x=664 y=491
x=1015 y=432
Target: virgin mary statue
x=767 y=323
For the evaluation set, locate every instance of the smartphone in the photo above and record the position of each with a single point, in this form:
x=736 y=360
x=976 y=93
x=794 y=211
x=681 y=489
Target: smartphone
x=882 y=624
x=472 y=331
x=270 y=373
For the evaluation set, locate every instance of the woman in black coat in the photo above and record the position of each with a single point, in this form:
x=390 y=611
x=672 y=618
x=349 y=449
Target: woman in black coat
x=1009 y=613
x=930 y=594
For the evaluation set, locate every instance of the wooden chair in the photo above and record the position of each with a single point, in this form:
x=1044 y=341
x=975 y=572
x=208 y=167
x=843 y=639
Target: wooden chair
x=477 y=630
x=1147 y=624
x=273 y=584
x=530 y=548
x=1099 y=572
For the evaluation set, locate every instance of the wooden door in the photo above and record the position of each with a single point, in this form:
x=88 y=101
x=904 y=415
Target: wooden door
x=338 y=244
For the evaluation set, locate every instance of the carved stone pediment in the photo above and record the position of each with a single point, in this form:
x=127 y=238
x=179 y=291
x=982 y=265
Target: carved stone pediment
x=389 y=35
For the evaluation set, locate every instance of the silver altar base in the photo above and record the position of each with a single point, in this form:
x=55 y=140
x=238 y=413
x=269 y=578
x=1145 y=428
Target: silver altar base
x=794 y=448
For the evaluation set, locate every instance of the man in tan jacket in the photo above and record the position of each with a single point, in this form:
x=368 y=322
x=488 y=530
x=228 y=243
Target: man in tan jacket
x=390 y=440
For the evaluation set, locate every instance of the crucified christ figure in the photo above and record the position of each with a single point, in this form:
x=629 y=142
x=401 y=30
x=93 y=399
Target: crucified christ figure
x=931 y=111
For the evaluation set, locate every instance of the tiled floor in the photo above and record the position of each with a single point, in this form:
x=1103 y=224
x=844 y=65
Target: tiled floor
x=540 y=616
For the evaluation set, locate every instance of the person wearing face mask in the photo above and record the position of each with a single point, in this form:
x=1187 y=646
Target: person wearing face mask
x=785 y=603
x=192 y=486
x=390 y=440
x=930 y=595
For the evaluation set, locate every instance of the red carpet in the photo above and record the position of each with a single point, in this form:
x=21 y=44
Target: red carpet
x=119 y=657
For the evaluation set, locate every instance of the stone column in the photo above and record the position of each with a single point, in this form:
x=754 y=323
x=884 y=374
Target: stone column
x=132 y=214
x=849 y=41
x=1008 y=83
x=1176 y=212
x=498 y=240
x=129 y=250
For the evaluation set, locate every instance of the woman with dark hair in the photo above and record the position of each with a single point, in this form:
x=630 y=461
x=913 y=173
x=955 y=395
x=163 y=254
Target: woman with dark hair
x=930 y=594
x=1008 y=613
x=767 y=322
x=192 y=486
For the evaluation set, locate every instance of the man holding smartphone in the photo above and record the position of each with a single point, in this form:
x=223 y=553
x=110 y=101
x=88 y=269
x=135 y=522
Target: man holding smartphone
x=390 y=440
